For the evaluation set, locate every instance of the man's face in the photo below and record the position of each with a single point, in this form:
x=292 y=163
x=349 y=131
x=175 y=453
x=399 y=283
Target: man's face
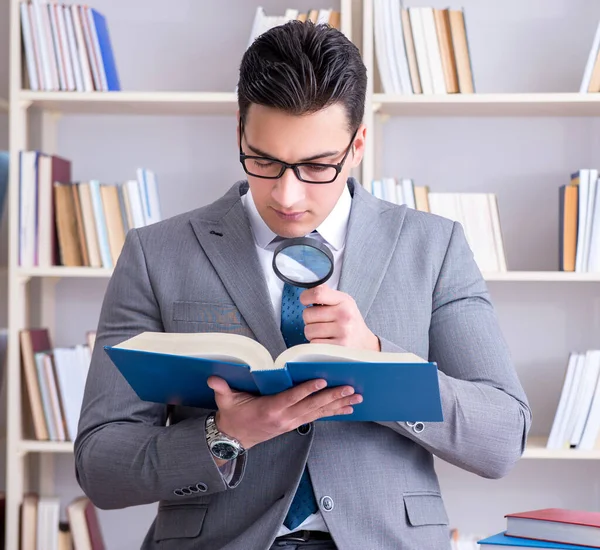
x=290 y=207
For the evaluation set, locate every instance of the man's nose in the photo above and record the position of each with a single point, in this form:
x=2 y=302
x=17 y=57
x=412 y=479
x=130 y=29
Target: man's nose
x=288 y=190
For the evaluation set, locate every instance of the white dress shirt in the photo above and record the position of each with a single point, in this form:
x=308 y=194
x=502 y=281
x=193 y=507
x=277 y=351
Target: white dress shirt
x=332 y=232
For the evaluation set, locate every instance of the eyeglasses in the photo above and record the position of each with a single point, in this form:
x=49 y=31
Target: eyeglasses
x=308 y=172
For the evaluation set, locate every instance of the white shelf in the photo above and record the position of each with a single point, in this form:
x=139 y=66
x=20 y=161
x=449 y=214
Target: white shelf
x=544 y=104
x=536 y=448
x=543 y=276
x=32 y=446
x=133 y=103
x=509 y=276
x=64 y=272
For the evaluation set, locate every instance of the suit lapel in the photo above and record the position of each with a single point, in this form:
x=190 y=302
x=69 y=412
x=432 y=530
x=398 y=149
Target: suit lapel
x=373 y=231
x=225 y=236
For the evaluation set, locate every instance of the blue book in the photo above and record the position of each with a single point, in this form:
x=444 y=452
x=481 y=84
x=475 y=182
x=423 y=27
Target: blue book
x=506 y=542
x=3 y=179
x=173 y=368
x=106 y=51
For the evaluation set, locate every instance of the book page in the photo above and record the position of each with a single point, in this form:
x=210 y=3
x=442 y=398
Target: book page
x=313 y=353
x=231 y=348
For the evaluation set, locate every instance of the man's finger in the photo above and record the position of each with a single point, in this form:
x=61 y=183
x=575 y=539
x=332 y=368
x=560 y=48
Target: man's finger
x=319 y=314
x=322 y=331
x=322 y=294
x=291 y=397
x=218 y=385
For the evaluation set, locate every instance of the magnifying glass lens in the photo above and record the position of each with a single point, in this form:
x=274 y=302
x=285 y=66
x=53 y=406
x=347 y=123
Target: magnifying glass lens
x=303 y=262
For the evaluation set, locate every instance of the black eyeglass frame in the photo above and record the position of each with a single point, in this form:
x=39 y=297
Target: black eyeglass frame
x=295 y=167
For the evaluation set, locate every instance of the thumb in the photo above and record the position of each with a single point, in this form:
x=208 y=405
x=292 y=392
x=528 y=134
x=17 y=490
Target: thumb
x=223 y=393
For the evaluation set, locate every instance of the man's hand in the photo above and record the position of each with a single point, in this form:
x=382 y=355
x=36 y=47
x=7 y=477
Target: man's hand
x=252 y=420
x=335 y=319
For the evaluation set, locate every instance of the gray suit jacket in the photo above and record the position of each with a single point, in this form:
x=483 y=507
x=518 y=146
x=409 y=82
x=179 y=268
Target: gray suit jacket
x=415 y=281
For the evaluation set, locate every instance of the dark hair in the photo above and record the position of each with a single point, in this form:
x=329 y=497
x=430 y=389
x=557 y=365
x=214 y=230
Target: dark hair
x=302 y=68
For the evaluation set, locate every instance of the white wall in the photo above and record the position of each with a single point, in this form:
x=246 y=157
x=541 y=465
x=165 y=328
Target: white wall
x=539 y=46
x=533 y=46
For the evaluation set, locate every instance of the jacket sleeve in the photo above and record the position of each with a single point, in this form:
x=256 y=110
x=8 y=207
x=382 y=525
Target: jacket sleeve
x=125 y=453
x=486 y=413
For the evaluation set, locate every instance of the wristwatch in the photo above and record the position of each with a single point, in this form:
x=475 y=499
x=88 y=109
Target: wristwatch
x=220 y=444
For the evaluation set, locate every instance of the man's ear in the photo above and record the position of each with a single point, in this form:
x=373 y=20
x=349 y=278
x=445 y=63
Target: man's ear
x=358 y=147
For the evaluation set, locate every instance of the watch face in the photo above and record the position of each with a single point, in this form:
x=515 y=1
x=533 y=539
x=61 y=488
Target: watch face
x=224 y=450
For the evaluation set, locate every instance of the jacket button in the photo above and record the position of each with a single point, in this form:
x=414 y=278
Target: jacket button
x=418 y=427
x=179 y=492
x=202 y=487
x=304 y=429
x=327 y=504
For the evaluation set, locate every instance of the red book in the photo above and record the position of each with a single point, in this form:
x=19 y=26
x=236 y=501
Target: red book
x=556 y=525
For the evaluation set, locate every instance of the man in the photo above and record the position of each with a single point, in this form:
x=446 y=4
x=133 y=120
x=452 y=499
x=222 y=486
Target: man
x=403 y=280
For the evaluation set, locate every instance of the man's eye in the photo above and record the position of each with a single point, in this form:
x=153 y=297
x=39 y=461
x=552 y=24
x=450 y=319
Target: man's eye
x=316 y=168
x=263 y=163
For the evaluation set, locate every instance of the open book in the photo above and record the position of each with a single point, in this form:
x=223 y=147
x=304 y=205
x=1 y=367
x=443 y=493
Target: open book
x=172 y=368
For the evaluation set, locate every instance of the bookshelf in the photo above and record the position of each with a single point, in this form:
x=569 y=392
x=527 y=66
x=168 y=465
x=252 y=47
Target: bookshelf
x=488 y=104
x=132 y=103
x=45 y=111
x=379 y=108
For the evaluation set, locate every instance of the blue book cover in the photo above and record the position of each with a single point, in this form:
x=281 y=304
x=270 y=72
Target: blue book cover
x=173 y=368
x=504 y=541
x=4 y=156
x=106 y=50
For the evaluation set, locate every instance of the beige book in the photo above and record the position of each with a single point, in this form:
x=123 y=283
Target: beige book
x=66 y=224
x=594 y=85
x=411 y=54
x=29 y=509
x=422 y=198
x=85 y=257
x=442 y=26
x=114 y=219
x=89 y=224
x=461 y=51
x=335 y=20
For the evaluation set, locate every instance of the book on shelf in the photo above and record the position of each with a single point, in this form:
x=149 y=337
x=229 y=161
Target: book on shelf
x=590 y=82
x=55 y=381
x=74 y=224
x=263 y=22
x=478 y=213
x=579 y=223
x=40 y=521
x=173 y=368
x=66 y=48
x=576 y=423
x=4 y=162
x=421 y=50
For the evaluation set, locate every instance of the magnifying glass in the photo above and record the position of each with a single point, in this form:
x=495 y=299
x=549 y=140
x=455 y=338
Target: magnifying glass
x=303 y=262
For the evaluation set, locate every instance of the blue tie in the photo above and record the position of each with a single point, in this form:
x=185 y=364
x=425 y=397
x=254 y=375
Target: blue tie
x=292 y=328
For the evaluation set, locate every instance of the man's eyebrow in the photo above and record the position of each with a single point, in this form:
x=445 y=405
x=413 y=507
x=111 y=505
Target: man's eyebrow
x=260 y=153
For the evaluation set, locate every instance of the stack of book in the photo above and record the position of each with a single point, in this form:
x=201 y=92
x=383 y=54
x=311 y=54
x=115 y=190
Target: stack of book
x=67 y=48
x=476 y=212
x=548 y=528
x=263 y=22
x=422 y=50
x=41 y=526
x=55 y=380
x=576 y=422
x=579 y=223
x=78 y=224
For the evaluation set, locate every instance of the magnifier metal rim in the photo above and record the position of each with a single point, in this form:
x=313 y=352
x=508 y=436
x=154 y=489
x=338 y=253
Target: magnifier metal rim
x=303 y=241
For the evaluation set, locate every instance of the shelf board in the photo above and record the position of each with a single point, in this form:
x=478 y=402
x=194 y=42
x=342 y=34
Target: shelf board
x=32 y=446
x=536 y=448
x=509 y=276
x=548 y=104
x=64 y=272
x=542 y=276
x=133 y=103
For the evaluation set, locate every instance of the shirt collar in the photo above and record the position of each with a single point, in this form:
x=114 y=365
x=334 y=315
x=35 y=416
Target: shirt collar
x=332 y=229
